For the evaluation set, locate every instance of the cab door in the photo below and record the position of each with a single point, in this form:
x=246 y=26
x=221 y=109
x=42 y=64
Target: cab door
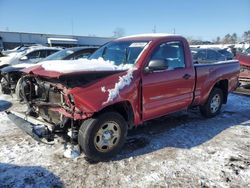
x=169 y=90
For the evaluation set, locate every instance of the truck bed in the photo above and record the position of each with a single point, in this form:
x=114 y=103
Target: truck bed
x=209 y=74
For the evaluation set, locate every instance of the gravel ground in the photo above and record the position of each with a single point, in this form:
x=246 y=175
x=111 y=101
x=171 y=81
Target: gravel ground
x=182 y=150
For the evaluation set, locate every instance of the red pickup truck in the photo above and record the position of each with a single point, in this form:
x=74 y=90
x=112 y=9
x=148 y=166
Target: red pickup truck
x=123 y=84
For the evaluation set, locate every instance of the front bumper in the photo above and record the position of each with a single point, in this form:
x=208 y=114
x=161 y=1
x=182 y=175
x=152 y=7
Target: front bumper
x=37 y=129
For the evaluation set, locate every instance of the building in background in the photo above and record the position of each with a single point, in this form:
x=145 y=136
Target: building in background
x=10 y=40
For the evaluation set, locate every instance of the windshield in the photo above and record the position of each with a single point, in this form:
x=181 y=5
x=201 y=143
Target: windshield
x=247 y=51
x=60 y=55
x=225 y=52
x=125 y=52
x=21 y=49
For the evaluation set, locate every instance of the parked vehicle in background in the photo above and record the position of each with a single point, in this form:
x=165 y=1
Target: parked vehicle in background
x=11 y=74
x=244 y=59
x=7 y=55
x=123 y=84
x=19 y=48
x=225 y=52
x=27 y=55
x=20 y=57
x=247 y=51
x=72 y=53
x=206 y=55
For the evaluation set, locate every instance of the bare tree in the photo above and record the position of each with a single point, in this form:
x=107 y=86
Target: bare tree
x=226 y=39
x=119 y=32
x=234 y=38
x=246 y=36
x=217 y=40
x=190 y=39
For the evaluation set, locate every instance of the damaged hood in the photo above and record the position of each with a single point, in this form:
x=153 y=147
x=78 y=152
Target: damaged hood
x=75 y=68
x=96 y=95
x=92 y=85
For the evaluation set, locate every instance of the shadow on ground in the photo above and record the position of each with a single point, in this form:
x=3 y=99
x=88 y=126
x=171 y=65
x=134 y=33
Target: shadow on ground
x=181 y=130
x=4 y=105
x=27 y=176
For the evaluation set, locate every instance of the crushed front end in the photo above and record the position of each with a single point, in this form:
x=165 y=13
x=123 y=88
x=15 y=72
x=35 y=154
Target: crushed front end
x=51 y=109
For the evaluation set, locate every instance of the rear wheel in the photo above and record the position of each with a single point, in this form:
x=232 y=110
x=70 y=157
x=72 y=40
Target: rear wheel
x=102 y=137
x=213 y=105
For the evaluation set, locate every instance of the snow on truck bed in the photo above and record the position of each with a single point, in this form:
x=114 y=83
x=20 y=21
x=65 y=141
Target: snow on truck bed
x=69 y=66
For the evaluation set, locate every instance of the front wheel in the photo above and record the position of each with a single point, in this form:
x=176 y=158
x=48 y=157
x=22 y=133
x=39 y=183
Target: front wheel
x=213 y=105
x=5 y=86
x=102 y=137
x=18 y=90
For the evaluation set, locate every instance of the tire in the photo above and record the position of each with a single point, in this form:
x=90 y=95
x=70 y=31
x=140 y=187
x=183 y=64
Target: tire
x=213 y=105
x=19 y=95
x=5 y=88
x=103 y=136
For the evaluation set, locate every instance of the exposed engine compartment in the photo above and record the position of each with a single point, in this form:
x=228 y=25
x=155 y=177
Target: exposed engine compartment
x=49 y=97
x=45 y=100
x=42 y=98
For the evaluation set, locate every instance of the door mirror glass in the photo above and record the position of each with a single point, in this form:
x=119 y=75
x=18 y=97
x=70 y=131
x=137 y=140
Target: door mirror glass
x=157 y=65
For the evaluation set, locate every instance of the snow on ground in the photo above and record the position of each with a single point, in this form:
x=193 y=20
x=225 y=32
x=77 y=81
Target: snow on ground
x=181 y=150
x=69 y=66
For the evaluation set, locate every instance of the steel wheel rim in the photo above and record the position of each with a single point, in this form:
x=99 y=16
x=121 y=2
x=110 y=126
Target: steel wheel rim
x=215 y=103
x=107 y=137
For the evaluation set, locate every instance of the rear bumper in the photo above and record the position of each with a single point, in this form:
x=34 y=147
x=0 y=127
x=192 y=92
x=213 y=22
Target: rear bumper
x=36 y=129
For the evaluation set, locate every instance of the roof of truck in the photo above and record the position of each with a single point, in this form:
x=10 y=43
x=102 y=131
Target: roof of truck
x=148 y=36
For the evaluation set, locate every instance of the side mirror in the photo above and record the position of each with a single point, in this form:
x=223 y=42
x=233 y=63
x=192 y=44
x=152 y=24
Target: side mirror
x=24 y=58
x=156 y=65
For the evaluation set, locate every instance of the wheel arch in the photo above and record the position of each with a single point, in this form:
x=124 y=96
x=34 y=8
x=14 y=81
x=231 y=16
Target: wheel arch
x=124 y=108
x=223 y=85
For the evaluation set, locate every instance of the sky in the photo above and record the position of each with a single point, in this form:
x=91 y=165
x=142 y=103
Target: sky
x=198 y=19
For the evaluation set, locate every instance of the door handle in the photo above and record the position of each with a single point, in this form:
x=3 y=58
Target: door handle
x=186 y=76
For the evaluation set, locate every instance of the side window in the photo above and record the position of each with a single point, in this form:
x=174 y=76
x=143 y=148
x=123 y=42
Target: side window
x=33 y=55
x=43 y=53
x=172 y=53
x=219 y=55
x=49 y=52
x=211 y=55
x=201 y=54
x=247 y=51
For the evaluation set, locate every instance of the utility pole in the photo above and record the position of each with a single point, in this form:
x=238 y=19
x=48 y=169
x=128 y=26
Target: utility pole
x=174 y=30
x=72 y=26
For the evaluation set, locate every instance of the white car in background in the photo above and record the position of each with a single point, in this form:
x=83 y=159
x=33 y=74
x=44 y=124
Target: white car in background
x=27 y=55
